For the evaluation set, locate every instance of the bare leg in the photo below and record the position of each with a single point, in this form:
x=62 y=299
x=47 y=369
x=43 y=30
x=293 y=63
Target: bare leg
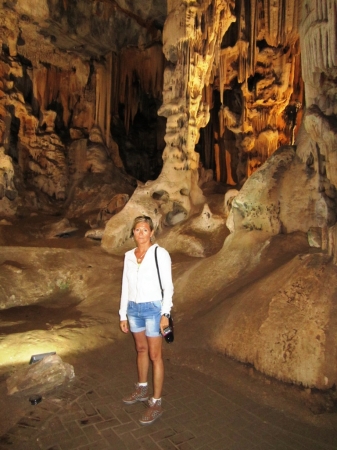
x=155 y=352
x=143 y=360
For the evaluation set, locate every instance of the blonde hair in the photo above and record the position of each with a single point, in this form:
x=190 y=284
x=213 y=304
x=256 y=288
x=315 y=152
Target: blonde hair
x=146 y=219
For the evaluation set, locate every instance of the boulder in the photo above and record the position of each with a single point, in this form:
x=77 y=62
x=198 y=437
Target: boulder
x=40 y=377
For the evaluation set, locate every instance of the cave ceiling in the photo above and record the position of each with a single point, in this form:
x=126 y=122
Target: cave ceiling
x=90 y=29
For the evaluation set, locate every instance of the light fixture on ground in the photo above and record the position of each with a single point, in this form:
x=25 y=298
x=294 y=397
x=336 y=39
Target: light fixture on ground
x=37 y=358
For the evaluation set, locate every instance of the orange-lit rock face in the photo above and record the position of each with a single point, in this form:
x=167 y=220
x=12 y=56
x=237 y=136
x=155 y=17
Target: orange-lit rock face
x=258 y=77
x=83 y=61
x=232 y=66
x=59 y=76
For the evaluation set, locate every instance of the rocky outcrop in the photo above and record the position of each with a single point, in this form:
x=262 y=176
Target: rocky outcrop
x=272 y=201
x=286 y=329
x=41 y=377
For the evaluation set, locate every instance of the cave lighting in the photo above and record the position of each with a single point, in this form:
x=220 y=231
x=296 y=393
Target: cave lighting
x=39 y=357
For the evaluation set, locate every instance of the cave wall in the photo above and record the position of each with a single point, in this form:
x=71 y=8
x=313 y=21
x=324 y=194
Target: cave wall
x=284 y=323
x=75 y=65
x=304 y=196
x=232 y=69
x=67 y=70
x=258 y=81
x=206 y=48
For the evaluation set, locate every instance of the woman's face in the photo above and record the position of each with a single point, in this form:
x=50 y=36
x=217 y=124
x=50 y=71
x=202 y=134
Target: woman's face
x=142 y=233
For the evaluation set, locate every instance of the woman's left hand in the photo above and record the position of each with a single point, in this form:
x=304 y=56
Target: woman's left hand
x=124 y=326
x=164 y=323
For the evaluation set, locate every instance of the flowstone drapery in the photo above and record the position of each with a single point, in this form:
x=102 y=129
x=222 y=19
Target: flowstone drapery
x=318 y=139
x=259 y=75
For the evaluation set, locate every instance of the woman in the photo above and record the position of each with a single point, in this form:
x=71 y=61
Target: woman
x=146 y=311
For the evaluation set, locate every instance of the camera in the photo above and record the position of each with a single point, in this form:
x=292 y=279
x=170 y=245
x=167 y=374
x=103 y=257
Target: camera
x=168 y=334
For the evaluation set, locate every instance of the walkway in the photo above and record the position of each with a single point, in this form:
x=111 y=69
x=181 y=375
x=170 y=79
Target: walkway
x=199 y=413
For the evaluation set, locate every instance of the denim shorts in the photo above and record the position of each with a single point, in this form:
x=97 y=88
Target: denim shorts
x=145 y=317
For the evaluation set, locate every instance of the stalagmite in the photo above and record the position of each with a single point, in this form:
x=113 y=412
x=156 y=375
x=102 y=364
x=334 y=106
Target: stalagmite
x=192 y=36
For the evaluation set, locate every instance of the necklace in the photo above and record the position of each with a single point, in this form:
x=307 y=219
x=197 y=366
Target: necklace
x=139 y=260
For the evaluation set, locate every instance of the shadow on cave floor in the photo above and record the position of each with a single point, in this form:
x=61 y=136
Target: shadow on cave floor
x=31 y=232
x=36 y=317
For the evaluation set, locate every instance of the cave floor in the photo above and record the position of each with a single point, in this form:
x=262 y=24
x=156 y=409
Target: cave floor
x=209 y=401
x=237 y=411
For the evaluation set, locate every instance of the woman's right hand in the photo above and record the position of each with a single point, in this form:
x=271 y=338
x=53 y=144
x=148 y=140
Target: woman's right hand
x=124 y=326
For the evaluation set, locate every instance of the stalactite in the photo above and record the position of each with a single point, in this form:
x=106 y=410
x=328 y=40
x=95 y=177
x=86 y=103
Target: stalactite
x=243 y=59
x=208 y=146
x=252 y=40
x=100 y=96
x=54 y=86
x=217 y=162
x=140 y=71
x=107 y=124
x=318 y=34
x=262 y=67
x=229 y=177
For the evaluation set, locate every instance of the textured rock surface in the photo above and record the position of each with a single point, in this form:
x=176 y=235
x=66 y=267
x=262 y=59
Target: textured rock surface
x=186 y=112
x=287 y=327
x=59 y=66
x=283 y=195
x=40 y=377
x=269 y=306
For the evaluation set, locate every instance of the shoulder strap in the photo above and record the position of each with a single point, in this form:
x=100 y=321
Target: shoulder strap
x=155 y=255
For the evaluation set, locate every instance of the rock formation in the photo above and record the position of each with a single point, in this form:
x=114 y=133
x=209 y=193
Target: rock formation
x=286 y=331
x=64 y=70
x=219 y=49
x=41 y=377
x=112 y=109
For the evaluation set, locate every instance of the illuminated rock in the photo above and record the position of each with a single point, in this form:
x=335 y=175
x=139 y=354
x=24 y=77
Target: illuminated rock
x=40 y=377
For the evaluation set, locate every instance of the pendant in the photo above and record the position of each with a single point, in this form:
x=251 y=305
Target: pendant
x=139 y=260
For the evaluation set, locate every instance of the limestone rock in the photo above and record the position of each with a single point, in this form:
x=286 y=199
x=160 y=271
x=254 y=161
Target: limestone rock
x=95 y=135
x=199 y=236
x=95 y=234
x=40 y=377
x=272 y=201
x=117 y=203
x=8 y=192
x=229 y=196
x=114 y=206
x=315 y=237
x=59 y=229
x=257 y=207
x=285 y=331
x=5 y=222
x=92 y=193
x=7 y=187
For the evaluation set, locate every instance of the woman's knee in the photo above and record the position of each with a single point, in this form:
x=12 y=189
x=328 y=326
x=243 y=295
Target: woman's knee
x=155 y=356
x=142 y=348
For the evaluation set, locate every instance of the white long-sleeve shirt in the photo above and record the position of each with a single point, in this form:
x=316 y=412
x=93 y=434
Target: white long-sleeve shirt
x=140 y=282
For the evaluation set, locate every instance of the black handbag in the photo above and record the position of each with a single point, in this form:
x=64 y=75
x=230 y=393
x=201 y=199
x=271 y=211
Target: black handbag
x=168 y=332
